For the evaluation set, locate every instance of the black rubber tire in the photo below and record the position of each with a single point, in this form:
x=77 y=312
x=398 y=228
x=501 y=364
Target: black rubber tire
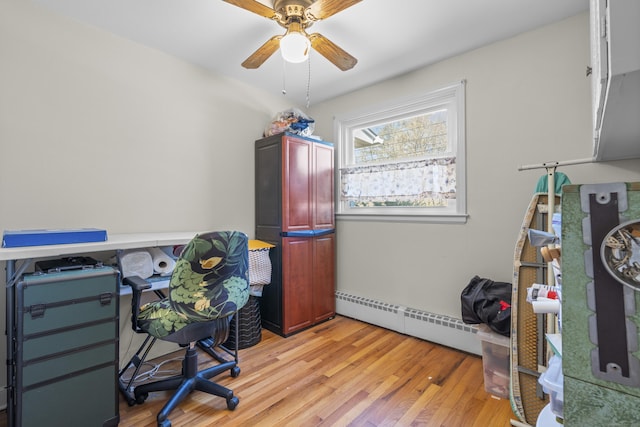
x=140 y=398
x=235 y=372
x=232 y=403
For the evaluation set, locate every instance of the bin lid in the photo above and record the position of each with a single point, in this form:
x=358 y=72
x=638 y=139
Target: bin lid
x=255 y=245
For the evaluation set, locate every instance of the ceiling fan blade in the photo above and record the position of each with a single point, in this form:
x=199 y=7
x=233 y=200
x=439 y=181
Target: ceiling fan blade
x=255 y=7
x=263 y=53
x=332 y=52
x=322 y=9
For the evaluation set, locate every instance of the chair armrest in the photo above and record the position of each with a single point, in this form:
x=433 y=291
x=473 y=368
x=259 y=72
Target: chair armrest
x=138 y=284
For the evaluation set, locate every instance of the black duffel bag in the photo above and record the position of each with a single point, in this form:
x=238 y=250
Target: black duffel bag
x=488 y=302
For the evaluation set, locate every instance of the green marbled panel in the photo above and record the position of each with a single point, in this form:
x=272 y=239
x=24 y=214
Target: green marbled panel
x=588 y=405
x=575 y=314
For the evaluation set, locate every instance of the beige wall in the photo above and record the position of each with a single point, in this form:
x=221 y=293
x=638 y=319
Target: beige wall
x=527 y=102
x=96 y=131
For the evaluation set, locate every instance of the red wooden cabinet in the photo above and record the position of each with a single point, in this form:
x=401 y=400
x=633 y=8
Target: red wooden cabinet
x=308 y=271
x=307 y=185
x=297 y=284
x=295 y=212
x=297 y=184
x=324 y=270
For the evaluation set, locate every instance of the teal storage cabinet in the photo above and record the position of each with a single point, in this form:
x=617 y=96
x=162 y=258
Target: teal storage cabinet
x=66 y=349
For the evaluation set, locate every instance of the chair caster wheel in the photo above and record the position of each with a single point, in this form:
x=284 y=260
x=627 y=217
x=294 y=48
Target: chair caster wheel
x=128 y=396
x=235 y=372
x=232 y=403
x=140 y=398
x=165 y=423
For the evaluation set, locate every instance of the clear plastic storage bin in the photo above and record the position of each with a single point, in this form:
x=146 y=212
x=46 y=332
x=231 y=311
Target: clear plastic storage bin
x=552 y=383
x=495 y=361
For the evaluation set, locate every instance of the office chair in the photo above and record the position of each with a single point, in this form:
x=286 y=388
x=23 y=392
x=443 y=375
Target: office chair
x=209 y=283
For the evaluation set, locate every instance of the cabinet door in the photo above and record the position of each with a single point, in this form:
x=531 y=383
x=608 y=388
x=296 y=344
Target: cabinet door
x=297 y=279
x=268 y=185
x=599 y=58
x=323 y=186
x=297 y=189
x=324 y=301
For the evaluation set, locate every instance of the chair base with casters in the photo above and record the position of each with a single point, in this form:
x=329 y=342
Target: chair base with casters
x=190 y=378
x=126 y=385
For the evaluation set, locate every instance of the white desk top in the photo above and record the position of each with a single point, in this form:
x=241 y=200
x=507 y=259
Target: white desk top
x=114 y=242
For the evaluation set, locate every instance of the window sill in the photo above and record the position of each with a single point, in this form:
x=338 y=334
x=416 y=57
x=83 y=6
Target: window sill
x=433 y=219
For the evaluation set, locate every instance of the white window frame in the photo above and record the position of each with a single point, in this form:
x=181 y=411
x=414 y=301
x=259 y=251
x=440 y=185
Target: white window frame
x=451 y=97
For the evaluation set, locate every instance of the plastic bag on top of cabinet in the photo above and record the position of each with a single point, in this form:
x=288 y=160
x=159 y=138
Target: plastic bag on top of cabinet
x=292 y=120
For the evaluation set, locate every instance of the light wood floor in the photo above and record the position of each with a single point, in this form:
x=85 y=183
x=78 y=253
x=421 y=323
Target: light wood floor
x=340 y=373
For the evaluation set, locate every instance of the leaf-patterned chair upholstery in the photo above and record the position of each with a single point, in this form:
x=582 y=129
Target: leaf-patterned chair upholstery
x=210 y=282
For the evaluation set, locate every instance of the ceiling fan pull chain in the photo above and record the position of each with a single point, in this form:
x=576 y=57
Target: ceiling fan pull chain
x=284 y=77
x=308 y=81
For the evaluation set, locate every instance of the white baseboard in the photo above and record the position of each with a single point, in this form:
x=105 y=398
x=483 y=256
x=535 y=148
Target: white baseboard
x=432 y=327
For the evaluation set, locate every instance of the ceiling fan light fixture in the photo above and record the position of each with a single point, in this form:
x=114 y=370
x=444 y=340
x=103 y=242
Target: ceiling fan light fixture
x=295 y=47
x=296 y=16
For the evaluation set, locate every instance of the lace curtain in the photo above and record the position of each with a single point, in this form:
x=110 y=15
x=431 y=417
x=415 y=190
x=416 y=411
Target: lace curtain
x=428 y=182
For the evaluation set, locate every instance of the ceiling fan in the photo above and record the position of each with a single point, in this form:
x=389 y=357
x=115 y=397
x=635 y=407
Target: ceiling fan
x=296 y=16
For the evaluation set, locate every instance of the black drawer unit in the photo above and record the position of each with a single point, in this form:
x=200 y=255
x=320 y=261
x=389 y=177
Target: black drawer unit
x=66 y=349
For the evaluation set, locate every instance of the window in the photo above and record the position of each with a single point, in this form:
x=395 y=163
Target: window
x=404 y=160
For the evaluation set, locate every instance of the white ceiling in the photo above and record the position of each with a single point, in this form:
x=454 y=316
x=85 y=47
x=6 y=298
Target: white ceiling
x=389 y=38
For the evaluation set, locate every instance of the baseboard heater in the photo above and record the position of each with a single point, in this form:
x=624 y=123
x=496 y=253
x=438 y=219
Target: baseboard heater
x=436 y=328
